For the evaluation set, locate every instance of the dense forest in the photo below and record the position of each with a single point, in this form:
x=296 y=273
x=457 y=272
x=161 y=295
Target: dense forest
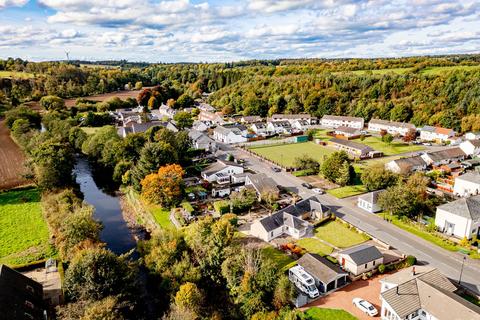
x=400 y=89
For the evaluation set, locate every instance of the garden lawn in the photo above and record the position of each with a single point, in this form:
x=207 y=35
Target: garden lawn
x=285 y=154
x=328 y=314
x=339 y=235
x=313 y=245
x=396 y=147
x=281 y=259
x=161 y=216
x=347 y=191
x=24 y=236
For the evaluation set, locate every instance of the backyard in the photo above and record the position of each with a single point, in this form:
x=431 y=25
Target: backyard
x=281 y=259
x=327 y=314
x=313 y=245
x=24 y=236
x=339 y=234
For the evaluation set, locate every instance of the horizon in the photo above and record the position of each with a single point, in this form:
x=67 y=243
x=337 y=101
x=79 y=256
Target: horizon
x=183 y=31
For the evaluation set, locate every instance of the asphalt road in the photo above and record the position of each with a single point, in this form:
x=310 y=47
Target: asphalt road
x=449 y=263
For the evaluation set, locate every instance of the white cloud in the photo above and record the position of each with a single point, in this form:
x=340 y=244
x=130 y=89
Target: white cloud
x=12 y=3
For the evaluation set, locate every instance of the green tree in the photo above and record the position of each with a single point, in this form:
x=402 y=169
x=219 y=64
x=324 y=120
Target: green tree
x=189 y=297
x=387 y=138
x=184 y=101
x=376 y=177
x=305 y=162
x=337 y=168
x=183 y=120
x=138 y=85
x=52 y=103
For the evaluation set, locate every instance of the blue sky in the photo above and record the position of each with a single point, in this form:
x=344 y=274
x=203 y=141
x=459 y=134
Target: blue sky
x=196 y=30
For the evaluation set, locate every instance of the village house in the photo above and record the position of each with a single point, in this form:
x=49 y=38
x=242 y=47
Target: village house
x=201 y=126
x=164 y=111
x=213 y=117
x=230 y=134
x=467 y=184
x=20 y=296
x=472 y=135
x=360 y=259
x=355 y=149
x=423 y=293
x=330 y=121
x=292 y=117
x=459 y=218
x=205 y=107
x=436 y=134
x=347 y=132
x=300 y=125
x=279 y=127
x=221 y=171
x=406 y=165
x=201 y=141
x=392 y=127
x=470 y=147
x=262 y=184
x=139 y=127
x=260 y=128
x=437 y=158
x=328 y=276
x=250 y=119
x=290 y=220
x=369 y=201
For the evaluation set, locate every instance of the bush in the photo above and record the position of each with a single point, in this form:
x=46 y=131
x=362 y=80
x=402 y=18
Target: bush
x=221 y=206
x=410 y=261
x=381 y=268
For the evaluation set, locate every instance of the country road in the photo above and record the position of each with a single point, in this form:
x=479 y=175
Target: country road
x=449 y=263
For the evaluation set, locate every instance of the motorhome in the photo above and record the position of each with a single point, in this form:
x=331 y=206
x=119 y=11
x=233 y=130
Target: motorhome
x=303 y=281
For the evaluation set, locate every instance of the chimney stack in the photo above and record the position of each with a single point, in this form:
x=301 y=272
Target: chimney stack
x=413 y=270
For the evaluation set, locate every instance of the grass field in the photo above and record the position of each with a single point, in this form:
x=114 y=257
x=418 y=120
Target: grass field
x=426 y=71
x=339 y=235
x=161 y=216
x=313 y=245
x=316 y=313
x=347 y=191
x=280 y=258
x=23 y=232
x=440 y=70
x=285 y=154
x=16 y=75
x=90 y=130
x=390 y=149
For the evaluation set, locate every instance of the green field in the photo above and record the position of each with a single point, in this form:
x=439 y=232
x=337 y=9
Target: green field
x=285 y=154
x=390 y=149
x=90 y=130
x=316 y=313
x=16 y=75
x=339 y=235
x=440 y=70
x=24 y=236
x=382 y=71
x=347 y=191
x=313 y=245
x=281 y=259
x=426 y=71
x=161 y=216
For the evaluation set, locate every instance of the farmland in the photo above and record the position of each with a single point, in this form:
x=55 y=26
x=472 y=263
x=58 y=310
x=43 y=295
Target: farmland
x=125 y=94
x=16 y=75
x=23 y=232
x=426 y=71
x=11 y=161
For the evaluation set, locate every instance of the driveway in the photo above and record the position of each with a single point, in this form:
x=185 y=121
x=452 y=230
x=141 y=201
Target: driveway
x=342 y=298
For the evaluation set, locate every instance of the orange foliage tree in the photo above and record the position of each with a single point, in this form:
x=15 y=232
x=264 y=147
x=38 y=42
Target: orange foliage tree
x=165 y=186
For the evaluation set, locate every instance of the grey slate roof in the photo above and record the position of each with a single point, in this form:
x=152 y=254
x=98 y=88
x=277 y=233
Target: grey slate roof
x=342 y=118
x=470 y=177
x=351 y=144
x=408 y=163
x=262 y=183
x=447 y=154
x=347 y=130
x=362 y=254
x=320 y=268
x=292 y=116
x=392 y=123
x=465 y=207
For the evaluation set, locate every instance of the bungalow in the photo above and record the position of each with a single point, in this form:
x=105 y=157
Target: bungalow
x=260 y=128
x=392 y=127
x=467 y=184
x=423 y=293
x=290 y=220
x=301 y=125
x=250 y=119
x=406 y=165
x=327 y=276
x=440 y=157
x=459 y=218
x=471 y=147
x=472 y=135
x=202 y=141
x=262 y=184
x=355 y=149
x=347 y=132
x=437 y=134
x=360 y=259
x=279 y=127
x=369 y=201
x=230 y=134
x=211 y=116
x=221 y=171
x=292 y=117
x=20 y=296
x=330 y=121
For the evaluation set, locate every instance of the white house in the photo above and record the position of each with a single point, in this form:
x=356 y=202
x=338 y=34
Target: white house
x=423 y=293
x=369 y=201
x=437 y=134
x=348 y=132
x=446 y=156
x=406 y=165
x=292 y=117
x=459 y=218
x=221 y=171
x=260 y=128
x=392 y=127
x=470 y=147
x=301 y=125
x=472 y=135
x=164 y=111
x=360 y=259
x=467 y=184
x=331 y=121
x=211 y=116
x=230 y=134
x=202 y=141
x=279 y=127
x=138 y=127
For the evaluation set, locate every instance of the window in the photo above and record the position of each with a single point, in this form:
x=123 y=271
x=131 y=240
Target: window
x=271 y=234
x=373 y=262
x=366 y=264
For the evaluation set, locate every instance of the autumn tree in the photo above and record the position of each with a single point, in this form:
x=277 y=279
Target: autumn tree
x=52 y=103
x=337 y=168
x=165 y=186
x=376 y=177
x=189 y=297
x=306 y=162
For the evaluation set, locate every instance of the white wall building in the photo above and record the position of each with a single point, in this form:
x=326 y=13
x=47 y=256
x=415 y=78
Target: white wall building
x=360 y=259
x=301 y=125
x=392 y=127
x=459 y=218
x=330 y=121
x=260 y=128
x=369 y=201
x=472 y=135
x=437 y=134
x=470 y=147
x=279 y=127
x=467 y=184
x=221 y=171
x=230 y=134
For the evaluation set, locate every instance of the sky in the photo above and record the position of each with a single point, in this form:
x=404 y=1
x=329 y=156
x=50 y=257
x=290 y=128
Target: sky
x=229 y=30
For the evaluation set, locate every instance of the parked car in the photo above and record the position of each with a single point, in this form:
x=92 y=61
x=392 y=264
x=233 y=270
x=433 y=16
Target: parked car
x=276 y=169
x=428 y=144
x=307 y=185
x=365 y=306
x=318 y=190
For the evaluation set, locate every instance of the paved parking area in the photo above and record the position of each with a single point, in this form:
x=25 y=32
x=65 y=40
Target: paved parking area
x=342 y=299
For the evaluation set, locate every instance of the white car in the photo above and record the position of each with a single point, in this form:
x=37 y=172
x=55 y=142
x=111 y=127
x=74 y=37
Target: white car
x=318 y=190
x=365 y=306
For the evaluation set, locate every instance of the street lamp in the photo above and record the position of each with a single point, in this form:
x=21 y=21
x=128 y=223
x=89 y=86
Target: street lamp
x=461 y=270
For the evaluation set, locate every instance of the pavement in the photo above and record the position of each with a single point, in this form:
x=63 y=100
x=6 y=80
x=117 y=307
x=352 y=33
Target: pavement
x=449 y=263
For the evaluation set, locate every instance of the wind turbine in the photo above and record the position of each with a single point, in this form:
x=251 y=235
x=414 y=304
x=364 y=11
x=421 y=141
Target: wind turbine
x=67 y=53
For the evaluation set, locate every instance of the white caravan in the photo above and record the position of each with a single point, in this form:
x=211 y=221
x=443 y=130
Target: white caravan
x=303 y=281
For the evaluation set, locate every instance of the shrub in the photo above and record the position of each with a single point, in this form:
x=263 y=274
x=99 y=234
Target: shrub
x=464 y=242
x=381 y=268
x=410 y=261
x=221 y=206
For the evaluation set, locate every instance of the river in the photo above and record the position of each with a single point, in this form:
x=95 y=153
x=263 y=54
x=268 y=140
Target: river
x=116 y=233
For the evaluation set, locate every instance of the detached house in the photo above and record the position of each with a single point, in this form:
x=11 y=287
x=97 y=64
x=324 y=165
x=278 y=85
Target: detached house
x=406 y=165
x=369 y=201
x=290 y=220
x=230 y=134
x=164 y=111
x=262 y=185
x=392 y=127
x=467 y=184
x=202 y=141
x=330 y=121
x=138 y=127
x=360 y=259
x=221 y=171
x=471 y=147
x=459 y=218
x=437 y=134
x=279 y=127
x=211 y=116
